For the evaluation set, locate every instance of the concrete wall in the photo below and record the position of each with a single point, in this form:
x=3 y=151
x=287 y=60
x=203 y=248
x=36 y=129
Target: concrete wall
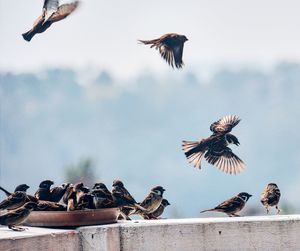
x=242 y=233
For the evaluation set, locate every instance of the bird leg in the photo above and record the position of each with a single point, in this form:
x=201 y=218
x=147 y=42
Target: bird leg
x=278 y=210
x=236 y=215
x=19 y=229
x=267 y=209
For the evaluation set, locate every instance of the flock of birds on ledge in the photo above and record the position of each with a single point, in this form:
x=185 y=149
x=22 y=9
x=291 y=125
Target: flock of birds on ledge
x=18 y=205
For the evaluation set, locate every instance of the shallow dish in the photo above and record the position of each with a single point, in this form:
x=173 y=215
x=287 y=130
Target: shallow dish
x=72 y=218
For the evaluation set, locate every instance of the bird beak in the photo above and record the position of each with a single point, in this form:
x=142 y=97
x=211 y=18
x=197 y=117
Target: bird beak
x=250 y=195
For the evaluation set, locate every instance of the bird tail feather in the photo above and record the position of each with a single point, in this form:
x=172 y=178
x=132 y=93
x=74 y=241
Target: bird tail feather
x=153 y=42
x=194 y=152
x=28 y=35
x=5 y=191
x=208 y=210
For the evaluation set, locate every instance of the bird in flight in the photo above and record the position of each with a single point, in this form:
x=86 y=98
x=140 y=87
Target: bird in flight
x=52 y=12
x=215 y=148
x=170 y=47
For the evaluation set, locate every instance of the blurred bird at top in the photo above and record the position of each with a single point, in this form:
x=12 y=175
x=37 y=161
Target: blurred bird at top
x=170 y=47
x=215 y=148
x=52 y=12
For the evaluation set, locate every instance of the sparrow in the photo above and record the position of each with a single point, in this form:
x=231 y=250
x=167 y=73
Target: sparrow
x=270 y=197
x=159 y=211
x=170 y=47
x=52 y=12
x=44 y=205
x=19 y=188
x=215 y=148
x=151 y=202
x=86 y=201
x=232 y=206
x=122 y=197
x=43 y=193
x=13 y=201
x=68 y=193
x=17 y=216
x=56 y=193
x=103 y=198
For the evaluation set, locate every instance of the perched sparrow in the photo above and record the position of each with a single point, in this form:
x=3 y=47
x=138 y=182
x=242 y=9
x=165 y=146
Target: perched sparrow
x=270 y=197
x=170 y=47
x=17 y=216
x=56 y=193
x=86 y=201
x=68 y=193
x=52 y=12
x=214 y=148
x=159 y=211
x=44 y=205
x=80 y=190
x=103 y=199
x=152 y=201
x=232 y=206
x=71 y=201
x=19 y=188
x=13 y=201
x=43 y=193
x=123 y=197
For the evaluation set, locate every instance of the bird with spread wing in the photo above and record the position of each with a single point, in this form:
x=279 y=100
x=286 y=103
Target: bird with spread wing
x=170 y=47
x=52 y=12
x=215 y=148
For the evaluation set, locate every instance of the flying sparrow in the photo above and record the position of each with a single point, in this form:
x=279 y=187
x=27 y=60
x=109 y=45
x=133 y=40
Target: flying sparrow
x=215 y=148
x=151 y=202
x=232 y=206
x=159 y=211
x=170 y=47
x=13 y=201
x=270 y=197
x=56 y=193
x=52 y=12
x=43 y=193
x=17 y=216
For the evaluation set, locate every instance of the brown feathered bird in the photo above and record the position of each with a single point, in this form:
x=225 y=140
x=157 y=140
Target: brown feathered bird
x=102 y=196
x=159 y=211
x=43 y=205
x=270 y=197
x=215 y=148
x=232 y=205
x=13 y=201
x=170 y=47
x=151 y=202
x=43 y=192
x=19 y=188
x=123 y=198
x=52 y=12
x=56 y=193
x=17 y=216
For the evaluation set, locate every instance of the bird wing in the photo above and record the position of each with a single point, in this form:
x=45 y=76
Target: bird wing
x=225 y=160
x=225 y=124
x=50 y=7
x=177 y=52
x=230 y=205
x=148 y=200
x=63 y=11
x=166 y=53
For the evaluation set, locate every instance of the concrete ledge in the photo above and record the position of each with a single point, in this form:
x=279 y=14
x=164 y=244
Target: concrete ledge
x=241 y=233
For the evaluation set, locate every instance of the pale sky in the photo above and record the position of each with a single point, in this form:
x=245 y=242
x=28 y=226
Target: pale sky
x=104 y=33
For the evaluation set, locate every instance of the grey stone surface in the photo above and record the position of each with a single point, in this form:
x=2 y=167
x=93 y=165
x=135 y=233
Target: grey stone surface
x=242 y=233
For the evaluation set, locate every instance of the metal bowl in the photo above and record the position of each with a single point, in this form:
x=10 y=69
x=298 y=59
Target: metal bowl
x=72 y=218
